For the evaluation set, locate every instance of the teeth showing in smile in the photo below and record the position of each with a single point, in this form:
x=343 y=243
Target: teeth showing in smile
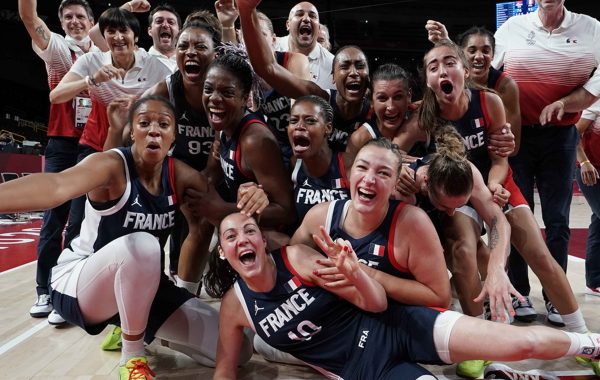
x=353 y=86
x=364 y=193
x=192 y=67
x=216 y=114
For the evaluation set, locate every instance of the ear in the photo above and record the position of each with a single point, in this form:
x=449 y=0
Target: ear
x=150 y=31
x=221 y=253
x=287 y=25
x=328 y=129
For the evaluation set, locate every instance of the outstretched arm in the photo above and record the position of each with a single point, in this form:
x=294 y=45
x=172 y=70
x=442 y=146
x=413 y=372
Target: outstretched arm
x=232 y=321
x=36 y=27
x=263 y=60
x=576 y=101
x=42 y=191
x=497 y=285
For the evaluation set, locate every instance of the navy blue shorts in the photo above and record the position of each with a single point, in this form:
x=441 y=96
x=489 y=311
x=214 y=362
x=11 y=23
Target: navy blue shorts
x=168 y=298
x=390 y=343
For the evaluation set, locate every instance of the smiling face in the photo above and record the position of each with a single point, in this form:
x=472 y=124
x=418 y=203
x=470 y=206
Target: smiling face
x=446 y=73
x=307 y=129
x=242 y=244
x=121 y=40
x=391 y=99
x=479 y=53
x=224 y=100
x=373 y=178
x=303 y=25
x=75 y=22
x=153 y=130
x=195 y=51
x=351 y=74
x=163 y=30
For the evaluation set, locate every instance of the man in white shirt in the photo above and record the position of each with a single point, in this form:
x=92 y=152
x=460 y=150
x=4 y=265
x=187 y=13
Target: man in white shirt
x=303 y=27
x=59 y=53
x=163 y=26
x=551 y=54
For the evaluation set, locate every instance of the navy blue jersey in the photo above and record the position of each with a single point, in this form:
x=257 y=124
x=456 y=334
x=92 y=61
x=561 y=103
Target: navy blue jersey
x=342 y=128
x=331 y=334
x=377 y=248
x=230 y=155
x=473 y=126
x=194 y=137
x=309 y=191
x=276 y=108
x=494 y=78
x=136 y=210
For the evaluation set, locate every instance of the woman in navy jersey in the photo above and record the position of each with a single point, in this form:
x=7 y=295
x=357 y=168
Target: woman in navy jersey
x=478 y=44
x=350 y=75
x=196 y=48
x=318 y=172
x=474 y=113
x=351 y=332
x=247 y=149
x=114 y=271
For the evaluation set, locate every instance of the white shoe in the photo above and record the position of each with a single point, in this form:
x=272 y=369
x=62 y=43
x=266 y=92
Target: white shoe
x=55 y=319
x=501 y=371
x=553 y=316
x=592 y=291
x=42 y=307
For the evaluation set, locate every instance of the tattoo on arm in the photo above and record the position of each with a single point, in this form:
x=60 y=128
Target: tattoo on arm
x=494 y=233
x=42 y=33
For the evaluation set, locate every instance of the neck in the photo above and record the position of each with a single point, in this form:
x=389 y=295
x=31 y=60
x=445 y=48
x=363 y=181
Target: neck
x=300 y=49
x=551 y=19
x=168 y=53
x=360 y=225
x=317 y=165
x=348 y=110
x=265 y=282
x=124 y=62
x=457 y=109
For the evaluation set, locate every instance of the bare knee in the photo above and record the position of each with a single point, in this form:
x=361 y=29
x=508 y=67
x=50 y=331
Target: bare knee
x=464 y=258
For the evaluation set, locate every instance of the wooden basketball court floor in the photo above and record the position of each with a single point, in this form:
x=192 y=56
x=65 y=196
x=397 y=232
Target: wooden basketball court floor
x=32 y=349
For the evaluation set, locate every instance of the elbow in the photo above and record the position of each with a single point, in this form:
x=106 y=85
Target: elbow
x=56 y=98
x=378 y=306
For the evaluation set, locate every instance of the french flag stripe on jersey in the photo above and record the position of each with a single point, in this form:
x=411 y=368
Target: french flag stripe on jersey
x=376 y=249
x=170 y=199
x=337 y=183
x=292 y=284
x=478 y=122
x=232 y=154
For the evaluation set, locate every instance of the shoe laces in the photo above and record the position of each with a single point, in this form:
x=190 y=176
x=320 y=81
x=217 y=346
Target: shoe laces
x=519 y=303
x=43 y=299
x=550 y=308
x=139 y=369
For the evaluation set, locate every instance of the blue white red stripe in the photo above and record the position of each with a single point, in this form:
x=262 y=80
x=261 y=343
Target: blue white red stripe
x=292 y=284
x=376 y=249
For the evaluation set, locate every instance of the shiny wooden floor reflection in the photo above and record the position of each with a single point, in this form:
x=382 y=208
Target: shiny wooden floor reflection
x=31 y=349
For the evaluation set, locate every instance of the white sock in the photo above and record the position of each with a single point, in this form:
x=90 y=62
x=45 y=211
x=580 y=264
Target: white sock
x=574 y=322
x=191 y=287
x=587 y=345
x=131 y=349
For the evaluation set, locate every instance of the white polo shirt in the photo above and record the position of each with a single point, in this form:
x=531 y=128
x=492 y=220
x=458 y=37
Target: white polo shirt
x=320 y=62
x=548 y=66
x=171 y=62
x=145 y=73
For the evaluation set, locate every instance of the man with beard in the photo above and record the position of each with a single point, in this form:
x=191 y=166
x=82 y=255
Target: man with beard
x=163 y=26
x=303 y=27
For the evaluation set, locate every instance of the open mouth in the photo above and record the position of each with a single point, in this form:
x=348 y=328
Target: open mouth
x=365 y=194
x=216 y=114
x=153 y=146
x=165 y=36
x=248 y=258
x=305 y=29
x=301 y=143
x=447 y=87
x=192 y=68
x=353 y=87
